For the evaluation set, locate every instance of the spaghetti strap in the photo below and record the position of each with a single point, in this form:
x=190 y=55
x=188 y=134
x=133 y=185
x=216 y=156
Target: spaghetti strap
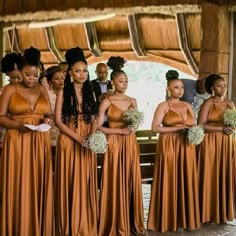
x=109 y=99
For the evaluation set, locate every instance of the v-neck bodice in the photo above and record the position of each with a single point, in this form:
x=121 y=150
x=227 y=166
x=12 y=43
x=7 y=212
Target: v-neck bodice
x=216 y=112
x=20 y=105
x=173 y=118
x=115 y=116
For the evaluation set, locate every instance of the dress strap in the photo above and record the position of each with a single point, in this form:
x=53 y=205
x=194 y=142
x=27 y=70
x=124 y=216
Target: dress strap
x=109 y=99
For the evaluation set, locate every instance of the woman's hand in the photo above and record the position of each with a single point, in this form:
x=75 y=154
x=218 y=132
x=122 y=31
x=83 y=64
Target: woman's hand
x=22 y=128
x=228 y=130
x=48 y=121
x=125 y=131
x=80 y=139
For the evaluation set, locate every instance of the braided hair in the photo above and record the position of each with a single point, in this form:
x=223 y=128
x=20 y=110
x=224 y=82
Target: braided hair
x=70 y=101
x=115 y=64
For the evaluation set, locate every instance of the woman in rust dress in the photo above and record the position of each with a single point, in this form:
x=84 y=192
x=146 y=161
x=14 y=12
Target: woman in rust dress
x=216 y=157
x=174 y=196
x=75 y=166
x=121 y=206
x=27 y=191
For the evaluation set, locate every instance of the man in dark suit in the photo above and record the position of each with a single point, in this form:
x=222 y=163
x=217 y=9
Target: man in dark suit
x=101 y=85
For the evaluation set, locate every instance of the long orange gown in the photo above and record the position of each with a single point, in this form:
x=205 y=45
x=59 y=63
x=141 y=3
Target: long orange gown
x=76 y=204
x=216 y=170
x=121 y=205
x=27 y=191
x=174 y=197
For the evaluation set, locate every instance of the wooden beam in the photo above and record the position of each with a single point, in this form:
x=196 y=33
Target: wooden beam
x=91 y=35
x=184 y=43
x=135 y=36
x=52 y=44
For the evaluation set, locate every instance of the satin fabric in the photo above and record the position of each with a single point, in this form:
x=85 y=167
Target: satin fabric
x=27 y=188
x=174 y=199
x=216 y=170
x=76 y=204
x=121 y=205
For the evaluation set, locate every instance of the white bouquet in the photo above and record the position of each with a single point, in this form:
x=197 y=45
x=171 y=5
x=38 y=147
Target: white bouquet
x=133 y=117
x=195 y=134
x=230 y=118
x=97 y=142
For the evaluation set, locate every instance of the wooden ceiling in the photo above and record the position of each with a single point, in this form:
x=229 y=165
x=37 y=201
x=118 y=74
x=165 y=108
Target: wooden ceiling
x=169 y=34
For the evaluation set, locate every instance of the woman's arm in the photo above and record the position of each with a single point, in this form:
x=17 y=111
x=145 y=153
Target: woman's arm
x=5 y=120
x=158 y=120
x=58 y=118
x=49 y=117
x=100 y=119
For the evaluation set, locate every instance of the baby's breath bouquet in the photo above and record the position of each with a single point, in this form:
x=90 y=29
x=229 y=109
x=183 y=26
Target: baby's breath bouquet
x=230 y=118
x=195 y=134
x=97 y=142
x=133 y=117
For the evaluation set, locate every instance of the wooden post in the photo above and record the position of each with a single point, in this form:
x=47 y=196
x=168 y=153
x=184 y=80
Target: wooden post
x=215 y=42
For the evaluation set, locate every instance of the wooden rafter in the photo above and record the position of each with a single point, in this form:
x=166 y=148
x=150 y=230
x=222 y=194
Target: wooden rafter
x=135 y=36
x=91 y=35
x=184 y=44
x=52 y=44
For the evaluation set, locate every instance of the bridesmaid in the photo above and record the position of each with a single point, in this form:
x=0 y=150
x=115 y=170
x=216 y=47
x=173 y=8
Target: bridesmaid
x=174 y=196
x=121 y=206
x=75 y=167
x=216 y=157
x=27 y=191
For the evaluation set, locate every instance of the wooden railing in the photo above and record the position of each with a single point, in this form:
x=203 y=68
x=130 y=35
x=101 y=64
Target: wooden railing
x=147 y=144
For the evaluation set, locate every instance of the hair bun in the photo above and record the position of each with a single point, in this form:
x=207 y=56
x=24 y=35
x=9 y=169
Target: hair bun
x=32 y=55
x=172 y=74
x=10 y=61
x=74 y=54
x=116 y=63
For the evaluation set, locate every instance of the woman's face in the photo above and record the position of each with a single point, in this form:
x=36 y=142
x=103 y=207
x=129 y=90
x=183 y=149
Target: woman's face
x=120 y=82
x=30 y=75
x=219 y=87
x=57 y=81
x=176 y=88
x=79 y=72
x=14 y=76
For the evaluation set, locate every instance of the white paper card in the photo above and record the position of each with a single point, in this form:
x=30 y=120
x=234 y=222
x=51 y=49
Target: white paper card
x=41 y=128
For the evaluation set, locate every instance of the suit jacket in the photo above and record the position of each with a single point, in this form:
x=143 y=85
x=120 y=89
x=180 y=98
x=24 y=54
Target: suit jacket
x=97 y=88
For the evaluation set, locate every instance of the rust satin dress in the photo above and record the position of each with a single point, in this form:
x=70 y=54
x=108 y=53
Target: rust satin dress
x=121 y=205
x=216 y=170
x=76 y=204
x=174 y=199
x=27 y=193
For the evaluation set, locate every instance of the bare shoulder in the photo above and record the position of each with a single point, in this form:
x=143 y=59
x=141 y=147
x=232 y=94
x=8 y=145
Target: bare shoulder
x=188 y=105
x=9 y=89
x=105 y=102
x=163 y=105
x=208 y=102
x=230 y=103
x=42 y=89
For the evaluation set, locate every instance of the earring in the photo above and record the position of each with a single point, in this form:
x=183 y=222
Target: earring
x=168 y=94
x=213 y=92
x=71 y=79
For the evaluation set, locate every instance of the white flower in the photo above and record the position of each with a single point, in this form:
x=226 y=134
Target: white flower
x=195 y=134
x=230 y=117
x=97 y=142
x=133 y=117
